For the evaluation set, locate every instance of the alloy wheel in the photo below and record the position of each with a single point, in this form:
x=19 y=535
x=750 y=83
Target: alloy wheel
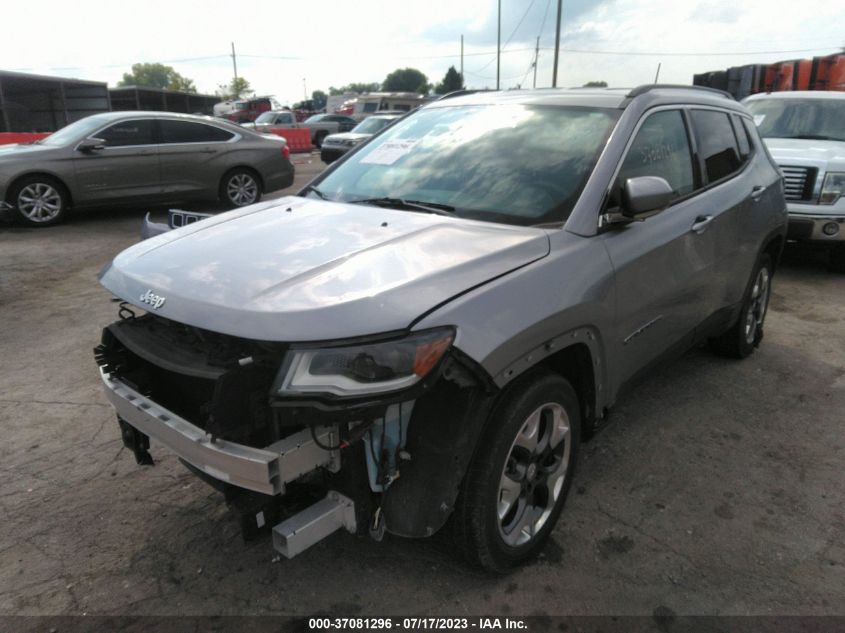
x=242 y=189
x=40 y=202
x=534 y=474
x=758 y=304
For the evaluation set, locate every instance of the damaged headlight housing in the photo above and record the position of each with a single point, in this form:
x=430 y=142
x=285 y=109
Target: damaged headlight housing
x=363 y=369
x=833 y=187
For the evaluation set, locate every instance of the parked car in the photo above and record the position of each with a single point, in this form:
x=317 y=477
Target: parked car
x=805 y=133
x=421 y=339
x=245 y=110
x=365 y=105
x=266 y=121
x=140 y=157
x=322 y=125
x=336 y=145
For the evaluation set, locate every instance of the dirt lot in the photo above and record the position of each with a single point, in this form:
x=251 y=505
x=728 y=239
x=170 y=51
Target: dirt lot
x=717 y=488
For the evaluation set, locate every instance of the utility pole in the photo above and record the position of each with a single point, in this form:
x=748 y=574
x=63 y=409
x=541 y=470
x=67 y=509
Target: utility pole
x=462 y=60
x=557 y=43
x=499 y=46
x=536 y=59
x=234 y=61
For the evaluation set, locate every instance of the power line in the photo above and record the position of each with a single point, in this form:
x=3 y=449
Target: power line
x=687 y=54
x=512 y=34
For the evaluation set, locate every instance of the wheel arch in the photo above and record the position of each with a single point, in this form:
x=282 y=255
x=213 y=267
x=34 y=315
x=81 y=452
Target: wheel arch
x=246 y=167
x=773 y=247
x=15 y=181
x=575 y=363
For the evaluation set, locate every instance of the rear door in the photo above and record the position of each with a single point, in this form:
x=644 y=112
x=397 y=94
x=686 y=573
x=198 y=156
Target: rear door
x=732 y=190
x=193 y=157
x=126 y=169
x=662 y=265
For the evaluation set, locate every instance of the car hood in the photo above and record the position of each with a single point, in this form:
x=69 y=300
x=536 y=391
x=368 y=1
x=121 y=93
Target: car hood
x=808 y=152
x=344 y=136
x=297 y=269
x=19 y=150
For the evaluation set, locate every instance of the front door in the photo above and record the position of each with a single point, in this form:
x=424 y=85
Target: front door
x=663 y=264
x=125 y=170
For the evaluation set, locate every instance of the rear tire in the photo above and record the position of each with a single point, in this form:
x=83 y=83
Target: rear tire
x=520 y=475
x=746 y=334
x=39 y=200
x=318 y=139
x=240 y=187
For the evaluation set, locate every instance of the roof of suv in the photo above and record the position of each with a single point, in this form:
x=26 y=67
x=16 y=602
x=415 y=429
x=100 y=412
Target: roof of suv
x=596 y=97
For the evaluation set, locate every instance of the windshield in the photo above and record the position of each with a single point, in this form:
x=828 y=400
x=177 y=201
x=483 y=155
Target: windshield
x=372 y=125
x=509 y=163
x=822 y=119
x=75 y=131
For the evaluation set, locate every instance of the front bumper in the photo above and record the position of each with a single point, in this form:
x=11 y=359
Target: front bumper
x=807 y=227
x=264 y=470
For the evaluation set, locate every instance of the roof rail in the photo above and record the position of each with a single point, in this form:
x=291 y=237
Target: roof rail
x=459 y=93
x=639 y=90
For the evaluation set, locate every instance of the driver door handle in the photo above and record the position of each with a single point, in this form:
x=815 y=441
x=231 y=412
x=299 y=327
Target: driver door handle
x=757 y=192
x=701 y=223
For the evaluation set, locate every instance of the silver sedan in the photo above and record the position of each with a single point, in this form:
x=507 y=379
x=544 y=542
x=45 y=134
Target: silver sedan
x=140 y=157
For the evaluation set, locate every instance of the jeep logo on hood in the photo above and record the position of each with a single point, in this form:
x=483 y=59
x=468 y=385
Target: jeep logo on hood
x=152 y=299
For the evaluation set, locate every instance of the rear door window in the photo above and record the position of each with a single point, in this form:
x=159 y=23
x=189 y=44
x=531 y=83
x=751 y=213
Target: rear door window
x=191 y=132
x=717 y=144
x=661 y=148
x=128 y=133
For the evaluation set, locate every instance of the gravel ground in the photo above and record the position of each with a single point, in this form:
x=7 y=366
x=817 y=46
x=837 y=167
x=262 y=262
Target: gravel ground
x=716 y=488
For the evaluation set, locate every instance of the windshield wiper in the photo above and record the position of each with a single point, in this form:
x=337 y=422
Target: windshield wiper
x=314 y=189
x=413 y=205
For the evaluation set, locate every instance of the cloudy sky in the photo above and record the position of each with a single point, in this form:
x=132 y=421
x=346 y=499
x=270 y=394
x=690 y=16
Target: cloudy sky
x=285 y=47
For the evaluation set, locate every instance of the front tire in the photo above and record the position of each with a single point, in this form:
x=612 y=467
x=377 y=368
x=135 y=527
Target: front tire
x=747 y=333
x=40 y=200
x=521 y=473
x=240 y=187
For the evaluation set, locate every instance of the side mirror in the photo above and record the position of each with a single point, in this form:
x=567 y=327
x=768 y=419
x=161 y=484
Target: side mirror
x=645 y=196
x=90 y=145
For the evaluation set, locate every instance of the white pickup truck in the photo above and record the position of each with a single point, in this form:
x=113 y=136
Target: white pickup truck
x=321 y=125
x=805 y=133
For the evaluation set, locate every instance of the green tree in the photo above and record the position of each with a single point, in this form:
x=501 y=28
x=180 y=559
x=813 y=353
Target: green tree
x=452 y=81
x=595 y=84
x=406 y=80
x=319 y=98
x=235 y=89
x=355 y=87
x=157 y=76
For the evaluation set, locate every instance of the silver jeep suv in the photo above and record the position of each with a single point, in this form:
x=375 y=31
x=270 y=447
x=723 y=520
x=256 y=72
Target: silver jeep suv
x=421 y=339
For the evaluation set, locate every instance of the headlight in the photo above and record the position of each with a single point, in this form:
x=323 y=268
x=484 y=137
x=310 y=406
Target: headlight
x=833 y=187
x=351 y=142
x=370 y=368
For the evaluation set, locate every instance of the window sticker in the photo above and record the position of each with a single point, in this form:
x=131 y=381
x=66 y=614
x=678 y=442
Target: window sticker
x=758 y=118
x=390 y=151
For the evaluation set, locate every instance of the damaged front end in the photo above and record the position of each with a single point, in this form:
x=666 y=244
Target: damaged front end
x=366 y=435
